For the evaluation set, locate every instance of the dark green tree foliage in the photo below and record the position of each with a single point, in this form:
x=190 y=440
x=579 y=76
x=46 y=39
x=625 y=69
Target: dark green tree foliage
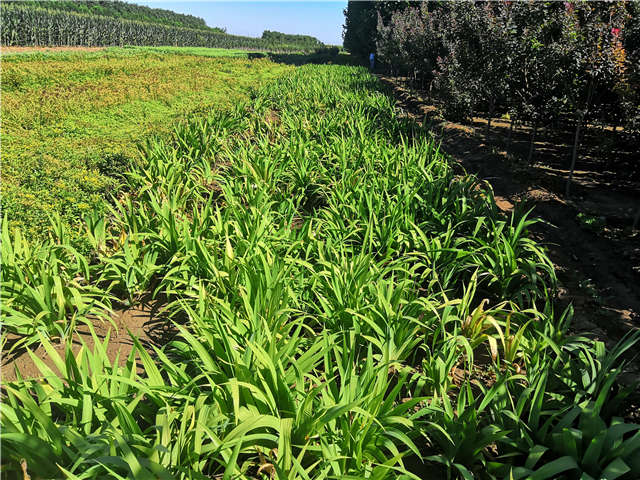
x=306 y=41
x=540 y=58
x=29 y=26
x=404 y=34
x=630 y=87
x=360 y=28
x=474 y=72
x=546 y=63
x=361 y=21
x=598 y=66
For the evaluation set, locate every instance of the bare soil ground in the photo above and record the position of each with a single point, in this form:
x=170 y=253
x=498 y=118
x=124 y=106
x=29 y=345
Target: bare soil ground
x=144 y=320
x=598 y=268
x=7 y=50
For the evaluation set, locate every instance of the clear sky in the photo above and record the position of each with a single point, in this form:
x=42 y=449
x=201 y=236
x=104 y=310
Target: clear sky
x=322 y=20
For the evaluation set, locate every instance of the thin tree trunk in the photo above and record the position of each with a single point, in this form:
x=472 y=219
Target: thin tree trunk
x=532 y=142
x=576 y=140
x=491 y=108
x=510 y=134
x=574 y=155
x=636 y=220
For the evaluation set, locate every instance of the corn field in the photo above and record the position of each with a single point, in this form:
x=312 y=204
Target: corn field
x=348 y=305
x=27 y=26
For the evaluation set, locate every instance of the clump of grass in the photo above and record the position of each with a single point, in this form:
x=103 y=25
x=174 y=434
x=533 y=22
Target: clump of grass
x=351 y=309
x=592 y=223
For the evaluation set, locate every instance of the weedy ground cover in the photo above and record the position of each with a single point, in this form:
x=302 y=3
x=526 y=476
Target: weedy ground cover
x=71 y=120
x=348 y=306
x=40 y=52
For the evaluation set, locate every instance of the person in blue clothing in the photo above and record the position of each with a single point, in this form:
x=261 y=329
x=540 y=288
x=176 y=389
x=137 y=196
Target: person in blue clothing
x=372 y=61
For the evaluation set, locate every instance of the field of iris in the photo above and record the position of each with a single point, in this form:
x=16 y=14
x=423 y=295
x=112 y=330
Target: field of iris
x=348 y=305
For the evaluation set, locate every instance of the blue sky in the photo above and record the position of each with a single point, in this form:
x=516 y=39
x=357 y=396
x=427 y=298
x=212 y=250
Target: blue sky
x=322 y=20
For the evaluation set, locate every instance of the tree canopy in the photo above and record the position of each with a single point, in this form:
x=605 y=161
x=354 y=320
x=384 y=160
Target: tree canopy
x=538 y=62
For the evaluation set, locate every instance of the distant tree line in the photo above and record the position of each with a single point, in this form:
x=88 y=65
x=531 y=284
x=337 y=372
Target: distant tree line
x=303 y=40
x=119 y=9
x=544 y=63
x=26 y=25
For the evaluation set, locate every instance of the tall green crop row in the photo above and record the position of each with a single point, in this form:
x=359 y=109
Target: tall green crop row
x=28 y=26
x=119 y=9
x=348 y=306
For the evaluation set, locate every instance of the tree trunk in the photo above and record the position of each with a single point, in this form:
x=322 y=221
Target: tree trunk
x=491 y=109
x=636 y=220
x=574 y=155
x=576 y=140
x=532 y=142
x=510 y=134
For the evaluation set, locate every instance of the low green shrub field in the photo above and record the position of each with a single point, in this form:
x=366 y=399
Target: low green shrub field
x=71 y=119
x=348 y=303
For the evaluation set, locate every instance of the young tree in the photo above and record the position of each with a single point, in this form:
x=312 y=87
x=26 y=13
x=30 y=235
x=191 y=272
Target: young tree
x=593 y=31
x=629 y=87
x=540 y=60
x=410 y=41
x=478 y=46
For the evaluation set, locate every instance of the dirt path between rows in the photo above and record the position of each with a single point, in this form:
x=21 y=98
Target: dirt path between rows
x=145 y=321
x=599 y=272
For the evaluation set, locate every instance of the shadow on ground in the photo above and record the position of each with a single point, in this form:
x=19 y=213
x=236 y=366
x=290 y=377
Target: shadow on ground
x=145 y=320
x=327 y=56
